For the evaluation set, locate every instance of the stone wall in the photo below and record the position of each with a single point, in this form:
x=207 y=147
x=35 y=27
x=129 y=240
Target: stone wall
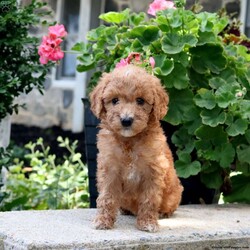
x=43 y=110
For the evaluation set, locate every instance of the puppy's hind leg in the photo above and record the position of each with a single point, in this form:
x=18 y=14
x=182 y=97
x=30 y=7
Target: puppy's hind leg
x=171 y=197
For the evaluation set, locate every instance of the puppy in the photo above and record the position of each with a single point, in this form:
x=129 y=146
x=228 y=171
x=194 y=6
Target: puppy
x=135 y=171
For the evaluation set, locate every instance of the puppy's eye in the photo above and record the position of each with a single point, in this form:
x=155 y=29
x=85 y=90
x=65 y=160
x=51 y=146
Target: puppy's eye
x=115 y=101
x=140 y=101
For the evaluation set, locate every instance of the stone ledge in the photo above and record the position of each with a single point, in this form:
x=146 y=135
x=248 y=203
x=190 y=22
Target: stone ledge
x=191 y=227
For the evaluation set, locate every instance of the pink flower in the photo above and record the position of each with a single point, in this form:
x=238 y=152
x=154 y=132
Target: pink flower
x=122 y=63
x=131 y=57
x=134 y=55
x=160 y=5
x=57 y=30
x=152 y=62
x=135 y=58
x=50 y=49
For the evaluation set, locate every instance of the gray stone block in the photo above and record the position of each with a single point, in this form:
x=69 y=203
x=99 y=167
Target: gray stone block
x=191 y=227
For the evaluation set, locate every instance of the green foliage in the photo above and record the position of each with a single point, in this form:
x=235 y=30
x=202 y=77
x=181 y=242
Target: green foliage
x=240 y=188
x=206 y=74
x=42 y=181
x=20 y=70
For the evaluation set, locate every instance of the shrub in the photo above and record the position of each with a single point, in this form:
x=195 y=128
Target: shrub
x=43 y=181
x=20 y=70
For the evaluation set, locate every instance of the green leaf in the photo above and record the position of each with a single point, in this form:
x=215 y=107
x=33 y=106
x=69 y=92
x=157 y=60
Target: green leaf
x=146 y=34
x=180 y=105
x=197 y=80
x=247 y=135
x=228 y=75
x=86 y=61
x=81 y=47
x=163 y=65
x=137 y=18
x=178 y=77
x=226 y=95
x=169 y=19
x=206 y=20
x=223 y=154
x=182 y=58
x=173 y=18
x=205 y=98
x=15 y=203
x=216 y=82
x=193 y=125
x=76 y=157
x=243 y=108
x=243 y=168
x=215 y=136
x=183 y=140
x=190 y=21
x=162 y=23
x=185 y=167
x=238 y=127
x=213 y=117
x=174 y=43
x=115 y=17
x=212 y=179
x=209 y=167
x=243 y=153
x=240 y=189
x=226 y=154
x=209 y=57
x=206 y=37
x=94 y=34
x=136 y=45
x=83 y=68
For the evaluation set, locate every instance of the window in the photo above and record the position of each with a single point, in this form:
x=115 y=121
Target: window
x=70 y=19
x=247 y=22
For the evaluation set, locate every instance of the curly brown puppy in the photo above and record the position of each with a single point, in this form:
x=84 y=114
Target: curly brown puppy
x=135 y=170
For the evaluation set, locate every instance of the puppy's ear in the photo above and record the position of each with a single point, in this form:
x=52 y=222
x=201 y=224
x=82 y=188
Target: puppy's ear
x=161 y=100
x=96 y=97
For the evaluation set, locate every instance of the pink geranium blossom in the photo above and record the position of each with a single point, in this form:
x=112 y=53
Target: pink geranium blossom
x=122 y=63
x=152 y=62
x=135 y=58
x=57 y=30
x=50 y=50
x=160 y=5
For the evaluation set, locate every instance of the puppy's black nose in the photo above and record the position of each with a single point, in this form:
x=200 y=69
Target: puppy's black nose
x=127 y=121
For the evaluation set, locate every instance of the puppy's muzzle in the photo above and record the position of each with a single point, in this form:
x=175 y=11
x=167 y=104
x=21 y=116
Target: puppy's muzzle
x=127 y=121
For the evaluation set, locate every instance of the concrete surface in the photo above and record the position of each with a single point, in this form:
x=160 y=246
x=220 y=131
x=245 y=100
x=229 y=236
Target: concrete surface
x=191 y=227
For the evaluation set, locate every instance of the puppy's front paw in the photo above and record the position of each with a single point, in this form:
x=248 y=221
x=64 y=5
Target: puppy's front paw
x=103 y=223
x=148 y=225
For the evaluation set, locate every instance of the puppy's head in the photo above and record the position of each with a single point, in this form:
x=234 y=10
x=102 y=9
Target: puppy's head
x=128 y=99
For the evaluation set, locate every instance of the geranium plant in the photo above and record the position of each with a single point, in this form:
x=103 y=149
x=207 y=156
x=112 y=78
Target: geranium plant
x=20 y=70
x=205 y=67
